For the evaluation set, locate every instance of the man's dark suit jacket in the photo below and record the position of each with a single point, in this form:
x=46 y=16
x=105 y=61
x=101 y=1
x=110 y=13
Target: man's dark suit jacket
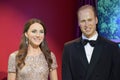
x=104 y=64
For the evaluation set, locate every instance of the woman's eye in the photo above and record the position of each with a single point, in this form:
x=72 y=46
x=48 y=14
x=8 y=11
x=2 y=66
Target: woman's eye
x=41 y=31
x=34 y=31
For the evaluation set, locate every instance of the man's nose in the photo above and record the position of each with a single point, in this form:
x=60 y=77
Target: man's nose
x=86 y=23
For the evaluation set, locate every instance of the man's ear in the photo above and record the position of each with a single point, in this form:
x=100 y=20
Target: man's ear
x=96 y=20
x=26 y=35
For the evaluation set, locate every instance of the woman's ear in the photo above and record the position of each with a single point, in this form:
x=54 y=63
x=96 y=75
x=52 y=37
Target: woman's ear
x=26 y=35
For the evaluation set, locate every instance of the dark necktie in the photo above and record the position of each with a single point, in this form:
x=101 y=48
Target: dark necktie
x=91 y=42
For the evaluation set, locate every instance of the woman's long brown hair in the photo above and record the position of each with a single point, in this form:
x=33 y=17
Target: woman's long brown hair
x=23 y=48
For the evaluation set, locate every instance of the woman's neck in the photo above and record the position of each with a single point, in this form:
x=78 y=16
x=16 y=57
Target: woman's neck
x=33 y=50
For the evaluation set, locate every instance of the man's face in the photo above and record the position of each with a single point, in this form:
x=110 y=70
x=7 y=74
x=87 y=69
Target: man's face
x=87 y=22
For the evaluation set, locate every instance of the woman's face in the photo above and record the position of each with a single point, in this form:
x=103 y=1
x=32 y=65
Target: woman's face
x=35 y=34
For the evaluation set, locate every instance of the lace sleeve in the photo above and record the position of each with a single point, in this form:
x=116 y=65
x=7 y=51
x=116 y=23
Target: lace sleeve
x=12 y=62
x=54 y=64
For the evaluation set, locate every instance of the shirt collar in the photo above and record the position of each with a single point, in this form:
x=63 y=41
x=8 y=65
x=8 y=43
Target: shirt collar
x=94 y=37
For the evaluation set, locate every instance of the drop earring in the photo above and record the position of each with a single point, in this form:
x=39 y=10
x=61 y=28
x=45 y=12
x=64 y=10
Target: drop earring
x=26 y=41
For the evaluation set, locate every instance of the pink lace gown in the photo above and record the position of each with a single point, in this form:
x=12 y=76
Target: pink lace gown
x=36 y=67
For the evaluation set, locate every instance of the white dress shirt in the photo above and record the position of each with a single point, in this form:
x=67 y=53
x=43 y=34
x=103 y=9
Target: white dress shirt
x=88 y=48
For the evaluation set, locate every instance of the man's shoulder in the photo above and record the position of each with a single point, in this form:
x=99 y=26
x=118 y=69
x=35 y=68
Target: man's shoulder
x=108 y=41
x=72 y=41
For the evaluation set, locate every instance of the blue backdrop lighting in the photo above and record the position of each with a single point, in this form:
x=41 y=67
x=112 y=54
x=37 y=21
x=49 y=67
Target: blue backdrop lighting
x=109 y=19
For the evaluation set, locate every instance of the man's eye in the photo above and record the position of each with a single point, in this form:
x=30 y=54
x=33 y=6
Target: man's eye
x=89 y=19
x=82 y=21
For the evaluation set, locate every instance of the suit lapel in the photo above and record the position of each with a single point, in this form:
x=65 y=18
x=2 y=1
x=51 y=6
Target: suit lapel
x=95 y=57
x=81 y=54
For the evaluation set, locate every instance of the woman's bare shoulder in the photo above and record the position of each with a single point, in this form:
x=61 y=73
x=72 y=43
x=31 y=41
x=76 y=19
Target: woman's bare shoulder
x=14 y=53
